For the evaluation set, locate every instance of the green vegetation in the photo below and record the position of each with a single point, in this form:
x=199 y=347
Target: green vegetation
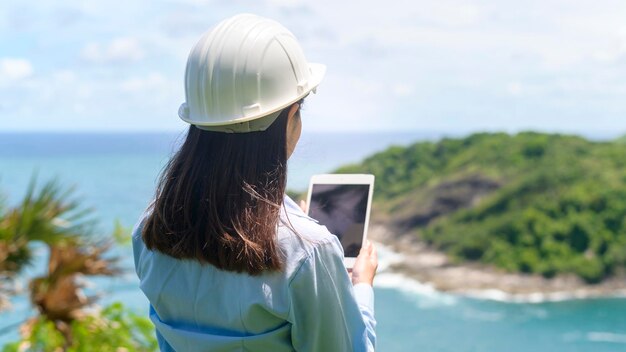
x=111 y=330
x=533 y=203
x=66 y=320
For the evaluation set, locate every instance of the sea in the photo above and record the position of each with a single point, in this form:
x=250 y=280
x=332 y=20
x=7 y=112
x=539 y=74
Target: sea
x=115 y=174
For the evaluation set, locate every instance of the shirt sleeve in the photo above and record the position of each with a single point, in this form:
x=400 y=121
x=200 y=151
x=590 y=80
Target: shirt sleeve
x=326 y=312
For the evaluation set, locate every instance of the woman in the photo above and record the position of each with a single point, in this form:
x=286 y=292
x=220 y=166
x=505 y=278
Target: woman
x=227 y=261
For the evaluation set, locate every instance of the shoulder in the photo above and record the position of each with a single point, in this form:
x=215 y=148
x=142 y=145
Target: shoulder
x=302 y=238
x=139 y=249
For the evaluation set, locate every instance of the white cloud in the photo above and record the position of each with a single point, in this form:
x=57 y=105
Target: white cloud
x=286 y=3
x=514 y=88
x=403 y=90
x=12 y=69
x=613 y=52
x=123 y=49
x=452 y=13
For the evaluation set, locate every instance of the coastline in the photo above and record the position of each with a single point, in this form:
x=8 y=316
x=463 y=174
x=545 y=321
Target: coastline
x=415 y=260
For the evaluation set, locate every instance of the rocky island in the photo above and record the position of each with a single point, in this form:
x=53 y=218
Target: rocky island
x=524 y=217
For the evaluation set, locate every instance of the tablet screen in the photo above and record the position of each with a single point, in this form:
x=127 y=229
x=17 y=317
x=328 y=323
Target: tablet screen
x=342 y=209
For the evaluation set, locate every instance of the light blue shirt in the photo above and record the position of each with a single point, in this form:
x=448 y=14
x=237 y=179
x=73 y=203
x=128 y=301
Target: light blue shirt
x=309 y=306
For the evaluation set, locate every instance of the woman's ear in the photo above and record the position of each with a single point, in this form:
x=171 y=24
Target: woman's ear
x=291 y=115
x=294 y=128
x=293 y=110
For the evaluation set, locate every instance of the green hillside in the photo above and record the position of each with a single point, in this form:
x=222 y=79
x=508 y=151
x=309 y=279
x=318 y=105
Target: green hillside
x=531 y=202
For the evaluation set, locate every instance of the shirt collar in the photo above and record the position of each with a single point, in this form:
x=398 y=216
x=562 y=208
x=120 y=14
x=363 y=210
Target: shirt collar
x=290 y=206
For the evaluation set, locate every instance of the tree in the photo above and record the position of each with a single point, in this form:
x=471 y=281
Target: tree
x=50 y=215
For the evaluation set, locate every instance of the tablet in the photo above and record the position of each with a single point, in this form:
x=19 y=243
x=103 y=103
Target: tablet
x=342 y=203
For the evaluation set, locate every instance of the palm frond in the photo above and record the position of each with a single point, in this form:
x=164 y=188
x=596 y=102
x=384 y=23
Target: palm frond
x=50 y=214
x=58 y=295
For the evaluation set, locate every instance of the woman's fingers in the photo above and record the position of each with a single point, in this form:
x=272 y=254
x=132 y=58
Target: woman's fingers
x=374 y=256
x=366 y=264
x=367 y=248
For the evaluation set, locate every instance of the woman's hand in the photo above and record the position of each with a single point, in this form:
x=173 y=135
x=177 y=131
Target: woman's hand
x=304 y=206
x=365 y=266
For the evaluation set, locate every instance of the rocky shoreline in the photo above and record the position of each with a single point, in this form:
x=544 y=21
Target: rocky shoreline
x=428 y=266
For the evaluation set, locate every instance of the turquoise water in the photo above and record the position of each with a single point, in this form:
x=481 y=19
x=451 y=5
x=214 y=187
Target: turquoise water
x=116 y=175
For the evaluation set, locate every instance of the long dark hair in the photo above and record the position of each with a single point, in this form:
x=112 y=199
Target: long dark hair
x=219 y=199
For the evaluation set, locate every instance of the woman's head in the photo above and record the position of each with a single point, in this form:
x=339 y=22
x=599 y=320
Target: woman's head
x=219 y=197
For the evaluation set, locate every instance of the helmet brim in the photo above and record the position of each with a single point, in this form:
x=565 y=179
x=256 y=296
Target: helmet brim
x=318 y=71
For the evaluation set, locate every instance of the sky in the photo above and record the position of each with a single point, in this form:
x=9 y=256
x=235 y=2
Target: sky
x=448 y=65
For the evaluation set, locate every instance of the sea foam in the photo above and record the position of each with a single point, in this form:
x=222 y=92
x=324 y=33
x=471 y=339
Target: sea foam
x=425 y=294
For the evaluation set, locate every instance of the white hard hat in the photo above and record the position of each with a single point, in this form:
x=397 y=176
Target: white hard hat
x=243 y=73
